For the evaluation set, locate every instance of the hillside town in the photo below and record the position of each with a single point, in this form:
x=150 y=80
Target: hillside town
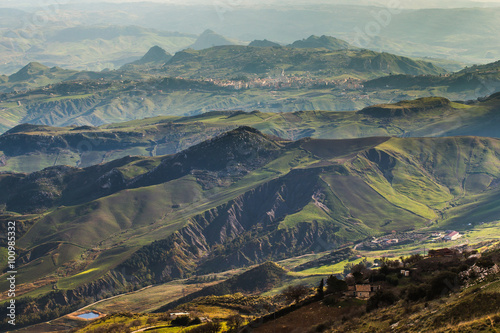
x=284 y=81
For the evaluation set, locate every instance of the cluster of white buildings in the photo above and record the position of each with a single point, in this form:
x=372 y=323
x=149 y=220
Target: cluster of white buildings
x=449 y=235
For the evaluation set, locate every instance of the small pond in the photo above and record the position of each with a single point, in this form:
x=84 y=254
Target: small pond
x=88 y=315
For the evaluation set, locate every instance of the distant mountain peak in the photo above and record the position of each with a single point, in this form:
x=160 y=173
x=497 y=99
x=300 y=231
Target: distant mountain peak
x=156 y=49
x=327 y=42
x=33 y=67
x=36 y=65
x=242 y=149
x=25 y=73
x=264 y=43
x=210 y=39
x=155 y=56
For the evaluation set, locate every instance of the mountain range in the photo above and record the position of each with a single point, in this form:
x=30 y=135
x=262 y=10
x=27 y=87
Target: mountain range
x=306 y=79
x=234 y=200
x=156 y=56
x=125 y=41
x=356 y=63
x=253 y=173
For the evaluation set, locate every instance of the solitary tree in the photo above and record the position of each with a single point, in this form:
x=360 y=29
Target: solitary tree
x=321 y=292
x=295 y=293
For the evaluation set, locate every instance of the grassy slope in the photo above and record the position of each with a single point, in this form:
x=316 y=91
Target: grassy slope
x=387 y=184
x=134 y=217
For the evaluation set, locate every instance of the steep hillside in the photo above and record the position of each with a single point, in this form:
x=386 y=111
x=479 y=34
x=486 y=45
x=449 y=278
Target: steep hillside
x=234 y=201
x=453 y=293
x=398 y=191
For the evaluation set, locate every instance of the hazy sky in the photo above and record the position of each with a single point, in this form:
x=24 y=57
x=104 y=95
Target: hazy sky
x=405 y=3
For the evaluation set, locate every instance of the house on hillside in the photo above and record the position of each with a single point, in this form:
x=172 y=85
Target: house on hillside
x=362 y=291
x=366 y=290
x=174 y=315
x=351 y=291
x=454 y=235
x=405 y=273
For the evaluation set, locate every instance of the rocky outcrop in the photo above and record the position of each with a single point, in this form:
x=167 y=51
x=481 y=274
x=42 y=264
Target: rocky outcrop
x=241 y=232
x=262 y=207
x=477 y=274
x=385 y=162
